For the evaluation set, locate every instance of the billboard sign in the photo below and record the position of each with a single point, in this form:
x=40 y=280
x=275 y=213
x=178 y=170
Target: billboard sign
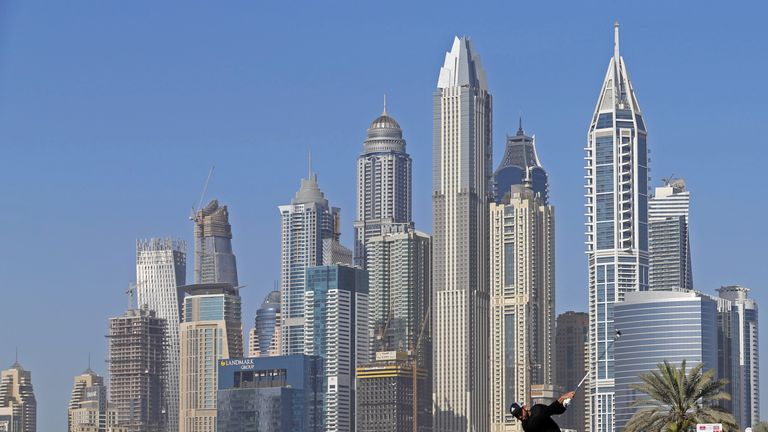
x=709 y=427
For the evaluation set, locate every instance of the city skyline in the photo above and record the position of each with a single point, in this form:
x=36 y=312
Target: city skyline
x=170 y=221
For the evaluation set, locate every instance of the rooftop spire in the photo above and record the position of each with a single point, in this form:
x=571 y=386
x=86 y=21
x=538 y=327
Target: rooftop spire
x=616 y=42
x=520 y=127
x=309 y=162
x=385 y=105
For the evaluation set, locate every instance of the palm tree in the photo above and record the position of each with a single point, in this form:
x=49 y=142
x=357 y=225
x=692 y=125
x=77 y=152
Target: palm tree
x=678 y=401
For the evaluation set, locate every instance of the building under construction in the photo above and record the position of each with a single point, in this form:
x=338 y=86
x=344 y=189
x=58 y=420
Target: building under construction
x=137 y=356
x=385 y=395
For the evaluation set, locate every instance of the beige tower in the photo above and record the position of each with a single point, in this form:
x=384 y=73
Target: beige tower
x=18 y=407
x=211 y=330
x=522 y=301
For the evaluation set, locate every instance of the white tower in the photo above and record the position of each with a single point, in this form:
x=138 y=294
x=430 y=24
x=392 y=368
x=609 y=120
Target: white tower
x=617 y=224
x=462 y=178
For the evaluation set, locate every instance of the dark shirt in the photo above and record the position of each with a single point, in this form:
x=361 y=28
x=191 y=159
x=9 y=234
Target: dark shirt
x=540 y=420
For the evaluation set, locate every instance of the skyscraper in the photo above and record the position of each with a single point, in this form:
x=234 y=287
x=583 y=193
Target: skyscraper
x=660 y=326
x=745 y=366
x=137 y=360
x=18 y=406
x=214 y=260
x=383 y=184
x=617 y=224
x=462 y=179
x=522 y=252
x=336 y=330
x=305 y=223
x=88 y=404
x=520 y=160
x=211 y=330
x=669 y=244
x=571 y=337
x=161 y=268
x=264 y=340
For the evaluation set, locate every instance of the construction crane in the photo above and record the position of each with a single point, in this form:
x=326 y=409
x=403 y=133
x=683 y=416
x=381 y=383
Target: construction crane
x=414 y=366
x=196 y=210
x=130 y=291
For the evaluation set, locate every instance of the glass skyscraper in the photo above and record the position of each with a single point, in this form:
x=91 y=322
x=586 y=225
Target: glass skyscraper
x=657 y=326
x=462 y=178
x=265 y=335
x=281 y=393
x=214 y=260
x=669 y=244
x=617 y=224
x=520 y=162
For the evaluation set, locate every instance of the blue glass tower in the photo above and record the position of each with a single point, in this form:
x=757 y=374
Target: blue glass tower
x=520 y=163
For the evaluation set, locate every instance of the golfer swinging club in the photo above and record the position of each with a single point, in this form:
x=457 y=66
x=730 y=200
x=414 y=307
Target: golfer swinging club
x=538 y=418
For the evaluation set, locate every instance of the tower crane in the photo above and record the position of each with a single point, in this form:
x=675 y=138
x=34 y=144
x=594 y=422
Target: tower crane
x=414 y=366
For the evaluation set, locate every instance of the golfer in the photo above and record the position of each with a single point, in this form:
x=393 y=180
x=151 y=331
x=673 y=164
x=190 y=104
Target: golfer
x=538 y=418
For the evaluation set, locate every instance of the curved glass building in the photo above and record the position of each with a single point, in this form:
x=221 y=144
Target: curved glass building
x=519 y=161
x=265 y=336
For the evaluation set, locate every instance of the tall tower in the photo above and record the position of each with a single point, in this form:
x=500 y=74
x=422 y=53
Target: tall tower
x=617 y=224
x=669 y=243
x=305 y=223
x=137 y=358
x=571 y=336
x=18 y=406
x=522 y=238
x=214 y=260
x=383 y=184
x=211 y=330
x=88 y=403
x=264 y=338
x=336 y=330
x=161 y=268
x=745 y=366
x=462 y=178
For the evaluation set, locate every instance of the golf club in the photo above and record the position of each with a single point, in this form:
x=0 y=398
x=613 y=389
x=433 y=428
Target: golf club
x=615 y=338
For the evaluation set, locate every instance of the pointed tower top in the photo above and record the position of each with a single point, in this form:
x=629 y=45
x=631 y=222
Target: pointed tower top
x=520 y=127
x=616 y=41
x=462 y=67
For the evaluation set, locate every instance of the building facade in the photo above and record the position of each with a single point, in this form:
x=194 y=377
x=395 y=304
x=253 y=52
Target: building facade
x=461 y=184
x=571 y=338
x=336 y=331
x=88 y=403
x=18 y=406
x=617 y=224
x=669 y=244
x=740 y=312
x=211 y=330
x=264 y=340
x=161 y=268
x=520 y=162
x=281 y=393
x=214 y=260
x=137 y=360
x=385 y=390
x=304 y=224
x=522 y=237
x=658 y=326
x=383 y=184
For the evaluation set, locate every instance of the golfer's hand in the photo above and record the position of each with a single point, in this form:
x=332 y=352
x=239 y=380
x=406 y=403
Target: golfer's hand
x=568 y=395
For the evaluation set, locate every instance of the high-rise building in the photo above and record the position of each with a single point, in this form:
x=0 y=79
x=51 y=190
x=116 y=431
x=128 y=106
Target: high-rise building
x=522 y=253
x=617 y=224
x=280 y=393
x=385 y=389
x=571 y=338
x=745 y=371
x=211 y=330
x=658 y=326
x=88 y=404
x=336 y=330
x=520 y=162
x=137 y=361
x=305 y=223
x=669 y=244
x=264 y=340
x=461 y=183
x=214 y=260
x=400 y=292
x=18 y=406
x=161 y=268
x=383 y=184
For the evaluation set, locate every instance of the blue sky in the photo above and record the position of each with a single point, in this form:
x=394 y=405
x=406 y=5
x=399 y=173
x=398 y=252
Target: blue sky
x=111 y=114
